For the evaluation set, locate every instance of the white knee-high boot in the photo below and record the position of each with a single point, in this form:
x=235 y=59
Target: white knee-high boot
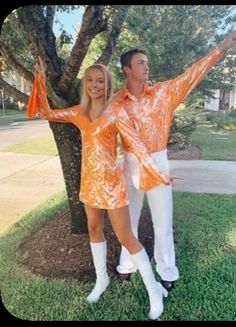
x=99 y=253
x=155 y=290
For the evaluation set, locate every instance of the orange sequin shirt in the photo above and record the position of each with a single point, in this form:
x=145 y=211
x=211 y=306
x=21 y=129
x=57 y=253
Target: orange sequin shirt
x=102 y=182
x=152 y=114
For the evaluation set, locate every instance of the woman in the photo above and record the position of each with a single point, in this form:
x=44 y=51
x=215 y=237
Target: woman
x=102 y=183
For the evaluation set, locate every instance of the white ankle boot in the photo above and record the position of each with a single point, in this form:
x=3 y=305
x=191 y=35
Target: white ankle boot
x=99 y=253
x=156 y=302
x=155 y=290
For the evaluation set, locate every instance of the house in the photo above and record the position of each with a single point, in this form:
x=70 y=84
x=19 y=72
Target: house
x=222 y=100
x=17 y=81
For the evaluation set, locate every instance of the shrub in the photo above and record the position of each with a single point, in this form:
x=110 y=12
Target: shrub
x=184 y=123
x=11 y=104
x=225 y=120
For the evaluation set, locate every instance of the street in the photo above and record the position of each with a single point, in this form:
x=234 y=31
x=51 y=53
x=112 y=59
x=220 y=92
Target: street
x=15 y=132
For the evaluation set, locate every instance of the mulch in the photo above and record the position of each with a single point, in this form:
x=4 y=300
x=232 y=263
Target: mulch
x=53 y=251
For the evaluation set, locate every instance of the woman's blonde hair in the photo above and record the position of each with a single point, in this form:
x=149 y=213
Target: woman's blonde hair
x=85 y=98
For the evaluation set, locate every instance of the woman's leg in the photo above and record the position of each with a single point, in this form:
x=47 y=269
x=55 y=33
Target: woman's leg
x=99 y=251
x=121 y=224
x=120 y=221
x=95 y=222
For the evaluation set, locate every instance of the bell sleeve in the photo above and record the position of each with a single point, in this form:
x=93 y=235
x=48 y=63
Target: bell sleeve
x=149 y=175
x=180 y=87
x=38 y=104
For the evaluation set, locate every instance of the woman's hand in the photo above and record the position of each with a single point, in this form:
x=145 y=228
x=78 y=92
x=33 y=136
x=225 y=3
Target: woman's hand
x=39 y=66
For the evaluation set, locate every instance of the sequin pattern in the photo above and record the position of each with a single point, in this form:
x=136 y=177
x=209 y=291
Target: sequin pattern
x=152 y=114
x=102 y=182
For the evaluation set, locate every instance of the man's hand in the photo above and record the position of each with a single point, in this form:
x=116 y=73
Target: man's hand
x=171 y=178
x=229 y=41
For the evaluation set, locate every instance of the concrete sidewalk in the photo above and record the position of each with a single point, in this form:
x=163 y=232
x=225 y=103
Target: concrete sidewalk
x=205 y=176
x=27 y=180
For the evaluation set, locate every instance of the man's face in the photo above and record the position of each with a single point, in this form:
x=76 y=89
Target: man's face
x=139 y=68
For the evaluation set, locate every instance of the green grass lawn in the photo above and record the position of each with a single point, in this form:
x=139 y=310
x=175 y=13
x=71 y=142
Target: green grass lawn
x=215 y=144
x=205 y=241
x=41 y=145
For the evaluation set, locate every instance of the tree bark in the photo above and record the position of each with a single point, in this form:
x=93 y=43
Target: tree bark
x=118 y=21
x=12 y=91
x=68 y=141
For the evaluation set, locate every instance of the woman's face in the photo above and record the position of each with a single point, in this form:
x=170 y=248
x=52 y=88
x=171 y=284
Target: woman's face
x=95 y=83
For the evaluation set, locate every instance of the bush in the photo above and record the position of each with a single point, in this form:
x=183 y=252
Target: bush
x=184 y=123
x=10 y=104
x=225 y=120
x=232 y=113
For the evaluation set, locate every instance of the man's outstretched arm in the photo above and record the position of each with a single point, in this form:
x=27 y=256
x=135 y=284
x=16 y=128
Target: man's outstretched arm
x=181 y=86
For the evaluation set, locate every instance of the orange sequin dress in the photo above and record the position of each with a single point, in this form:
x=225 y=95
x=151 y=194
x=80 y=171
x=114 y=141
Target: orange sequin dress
x=102 y=182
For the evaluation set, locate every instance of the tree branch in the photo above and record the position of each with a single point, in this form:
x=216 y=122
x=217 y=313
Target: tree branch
x=51 y=10
x=57 y=102
x=13 y=92
x=16 y=25
x=118 y=21
x=7 y=53
x=93 y=23
x=14 y=64
x=41 y=39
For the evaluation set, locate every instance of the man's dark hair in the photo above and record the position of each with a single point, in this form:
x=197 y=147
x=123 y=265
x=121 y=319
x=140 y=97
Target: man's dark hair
x=126 y=57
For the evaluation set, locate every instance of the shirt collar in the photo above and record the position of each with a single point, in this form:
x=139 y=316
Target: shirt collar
x=125 y=92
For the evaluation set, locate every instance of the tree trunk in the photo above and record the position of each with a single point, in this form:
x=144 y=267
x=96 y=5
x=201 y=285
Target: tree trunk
x=68 y=140
x=63 y=86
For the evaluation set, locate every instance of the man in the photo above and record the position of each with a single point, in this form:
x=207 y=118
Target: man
x=151 y=111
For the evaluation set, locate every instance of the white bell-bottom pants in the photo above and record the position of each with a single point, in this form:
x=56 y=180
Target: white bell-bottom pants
x=161 y=206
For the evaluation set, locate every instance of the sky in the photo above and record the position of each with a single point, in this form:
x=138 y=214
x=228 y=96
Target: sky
x=69 y=21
